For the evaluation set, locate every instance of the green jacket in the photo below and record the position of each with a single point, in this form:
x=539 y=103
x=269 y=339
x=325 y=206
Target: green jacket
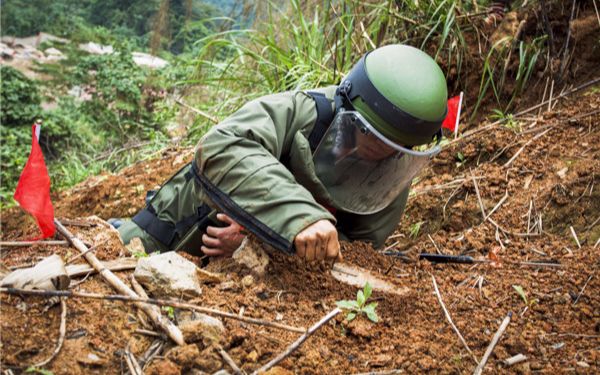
x=257 y=167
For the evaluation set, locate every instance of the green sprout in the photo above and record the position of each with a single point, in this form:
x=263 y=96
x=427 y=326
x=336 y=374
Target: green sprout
x=415 y=229
x=359 y=307
x=170 y=311
x=37 y=370
x=140 y=254
x=521 y=292
x=461 y=160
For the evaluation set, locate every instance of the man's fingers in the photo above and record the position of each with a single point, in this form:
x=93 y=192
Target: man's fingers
x=321 y=250
x=225 y=218
x=212 y=252
x=300 y=248
x=216 y=231
x=211 y=241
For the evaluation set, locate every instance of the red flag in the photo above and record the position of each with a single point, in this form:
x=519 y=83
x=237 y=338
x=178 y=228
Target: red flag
x=450 y=122
x=33 y=189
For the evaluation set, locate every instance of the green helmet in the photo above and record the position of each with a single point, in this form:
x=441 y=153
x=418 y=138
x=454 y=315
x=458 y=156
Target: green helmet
x=401 y=91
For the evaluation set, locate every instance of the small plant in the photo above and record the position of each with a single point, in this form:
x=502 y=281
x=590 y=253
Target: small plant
x=360 y=306
x=140 y=254
x=37 y=370
x=508 y=120
x=521 y=292
x=170 y=311
x=461 y=160
x=415 y=229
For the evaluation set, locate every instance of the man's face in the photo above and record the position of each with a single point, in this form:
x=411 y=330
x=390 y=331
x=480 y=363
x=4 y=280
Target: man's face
x=369 y=147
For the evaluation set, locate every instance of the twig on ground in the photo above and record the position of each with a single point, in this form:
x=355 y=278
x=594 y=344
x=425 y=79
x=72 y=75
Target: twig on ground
x=153 y=350
x=148 y=333
x=525 y=145
x=434 y=244
x=33 y=243
x=227 y=358
x=384 y=372
x=152 y=301
x=74 y=258
x=76 y=223
x=132 y=363
x=505 y=197
x=120 y=264
x=61 y=336
x=171 y=329
x=575 y=236
x=493 y=343
x=483 y=214
x=515 y=359
x=447 y=314
x=582 y=289
x=392 y=245
x=296 y=344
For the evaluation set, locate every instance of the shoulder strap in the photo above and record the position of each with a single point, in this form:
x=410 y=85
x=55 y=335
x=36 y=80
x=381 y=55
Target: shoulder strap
x=324 y=118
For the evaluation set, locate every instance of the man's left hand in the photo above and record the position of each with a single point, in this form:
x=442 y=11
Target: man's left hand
x=222 y=241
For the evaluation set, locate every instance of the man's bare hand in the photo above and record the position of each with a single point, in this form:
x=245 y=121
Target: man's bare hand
x=318 y=241
x=222 y=241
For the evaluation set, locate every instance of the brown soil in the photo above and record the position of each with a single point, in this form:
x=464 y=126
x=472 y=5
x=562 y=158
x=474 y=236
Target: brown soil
x=551 y=186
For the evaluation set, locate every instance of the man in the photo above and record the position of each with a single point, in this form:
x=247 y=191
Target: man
x=302 y=170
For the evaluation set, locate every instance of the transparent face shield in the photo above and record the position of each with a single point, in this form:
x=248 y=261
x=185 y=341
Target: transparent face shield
x=362 y=170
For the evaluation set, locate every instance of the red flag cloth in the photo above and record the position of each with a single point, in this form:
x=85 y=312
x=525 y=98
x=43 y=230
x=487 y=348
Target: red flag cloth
x=33 y=189
x=450 y=120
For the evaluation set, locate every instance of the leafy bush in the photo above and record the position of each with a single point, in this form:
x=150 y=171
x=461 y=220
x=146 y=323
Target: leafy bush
x=20 y=98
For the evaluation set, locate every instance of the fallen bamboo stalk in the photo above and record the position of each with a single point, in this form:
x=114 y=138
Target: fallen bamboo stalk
x=515 y=359
x=296 y=344
x=61 y=336
x=132 y=363
x=492 y=345
x=152 y=301
x=170 y=329
x=447 y=314
x=196 y=110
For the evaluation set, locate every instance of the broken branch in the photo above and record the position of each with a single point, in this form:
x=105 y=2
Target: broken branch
x=152 y=301
x=296 y=344
x=61 y=336
x=447 y=314
x=492 y=345
x=171 y=330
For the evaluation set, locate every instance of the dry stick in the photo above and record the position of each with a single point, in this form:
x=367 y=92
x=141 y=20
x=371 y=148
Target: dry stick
x=74 y=258
x=490 y=348
x=196 y=110
x=120 y=264
x=32 y=243
x=152 y=301
x=596 y=9
x=132 y=363
x=384 y=372
x=166 y=325
x=525 y=145
x=447 y=314
x=296 y=344
x=505 y=197
x=582 y=289
x=483 y=214
x=575 y=236
x=227 y=358
x=62 y=333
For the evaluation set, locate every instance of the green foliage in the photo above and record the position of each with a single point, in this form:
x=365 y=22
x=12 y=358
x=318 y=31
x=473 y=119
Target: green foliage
x=521 y=292
x=37 y=370
x=20 y=98
x=507 y=119
x=460 y=160
x=360 y=306
x=415 y=229
x=170 y=311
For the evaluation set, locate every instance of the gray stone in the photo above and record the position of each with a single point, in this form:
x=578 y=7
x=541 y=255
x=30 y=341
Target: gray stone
x=168 y=275
x=251 y=255
x=201 y=327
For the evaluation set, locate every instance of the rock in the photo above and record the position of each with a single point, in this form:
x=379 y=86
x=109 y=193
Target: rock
x=381 y=360
x=248 y=281
x=48 y=274
x=149 y=61
x=582 y=364
x=163 y=367
x=252 y=357
x=96 y=49
x=360 y=328
x=251 y=255
x=202 y=327
x=92 y=359
x=52 y=54
x=222 y=372
x=168 y=275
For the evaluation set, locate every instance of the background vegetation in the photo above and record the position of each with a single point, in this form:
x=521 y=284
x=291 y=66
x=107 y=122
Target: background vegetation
x=221 y=54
